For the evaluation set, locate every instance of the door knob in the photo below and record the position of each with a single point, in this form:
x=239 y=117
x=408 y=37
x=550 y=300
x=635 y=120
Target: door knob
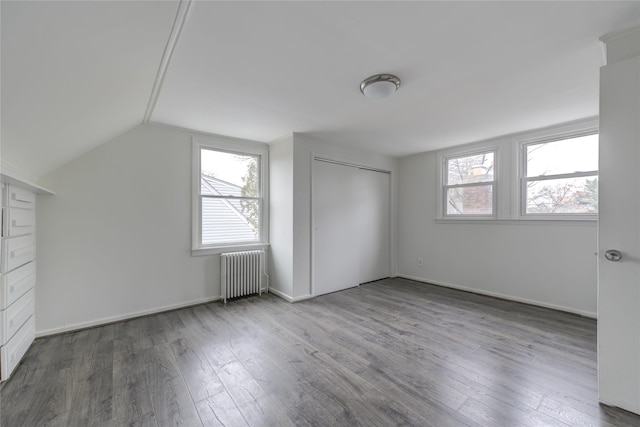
x=613 y=255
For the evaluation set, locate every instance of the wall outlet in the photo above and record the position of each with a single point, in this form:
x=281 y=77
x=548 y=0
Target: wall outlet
x=420 y=261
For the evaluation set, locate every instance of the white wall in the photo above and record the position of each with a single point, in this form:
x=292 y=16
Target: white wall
x=115 y=240
x=550 y=264
x=281 y=216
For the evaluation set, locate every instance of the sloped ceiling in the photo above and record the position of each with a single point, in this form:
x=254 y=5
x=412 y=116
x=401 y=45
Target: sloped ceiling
x=75 y=74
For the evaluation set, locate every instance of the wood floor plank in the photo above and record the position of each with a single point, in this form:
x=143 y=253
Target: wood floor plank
x=92 y=398
x=172 y=403
x=255 y=404
x=132 y=397
x=392 y=352
x=198 y=374
x=48 y=404
x=220 y=410
x=358 y=374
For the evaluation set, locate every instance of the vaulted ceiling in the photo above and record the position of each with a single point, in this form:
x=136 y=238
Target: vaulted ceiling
x=76 y=74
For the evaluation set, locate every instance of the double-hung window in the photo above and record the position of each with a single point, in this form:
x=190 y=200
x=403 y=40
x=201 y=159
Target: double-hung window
x=469 y=188
x=560 y=177
x=229 y=196
x=544 y=174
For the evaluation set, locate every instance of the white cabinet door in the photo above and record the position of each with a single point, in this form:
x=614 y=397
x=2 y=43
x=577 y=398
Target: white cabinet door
x=619 y=229
x=17 y=251
x=351 y=226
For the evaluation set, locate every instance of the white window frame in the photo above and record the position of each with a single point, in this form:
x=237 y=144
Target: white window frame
x=509 y=172
x=237 y=146
x=444 y=186
x=523 y=179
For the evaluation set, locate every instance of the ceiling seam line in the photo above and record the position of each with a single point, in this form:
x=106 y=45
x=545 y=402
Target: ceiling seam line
x=176 y=29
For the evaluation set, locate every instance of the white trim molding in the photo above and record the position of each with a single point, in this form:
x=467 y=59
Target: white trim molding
x=289 y=298
x=499 y=295
x=178 y=24
x=16 y=172
x=121 y=317
x=620 y=45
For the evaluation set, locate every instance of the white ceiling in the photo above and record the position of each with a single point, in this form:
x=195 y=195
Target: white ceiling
x=77 y=74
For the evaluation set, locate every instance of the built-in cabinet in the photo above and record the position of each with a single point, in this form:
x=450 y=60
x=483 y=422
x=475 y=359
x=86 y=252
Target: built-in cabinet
x=351 y=226
x=17 y=273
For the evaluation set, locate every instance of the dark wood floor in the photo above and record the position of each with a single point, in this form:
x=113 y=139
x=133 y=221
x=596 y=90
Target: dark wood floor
x=393 y=352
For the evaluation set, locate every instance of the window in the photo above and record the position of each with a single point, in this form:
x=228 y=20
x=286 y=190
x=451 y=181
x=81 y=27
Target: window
x=560 y=177
x=469 y=185
x=229 y=196
x=548 y=174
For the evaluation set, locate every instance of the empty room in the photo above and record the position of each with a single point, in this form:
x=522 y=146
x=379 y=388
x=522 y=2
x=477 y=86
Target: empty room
x=323 y=213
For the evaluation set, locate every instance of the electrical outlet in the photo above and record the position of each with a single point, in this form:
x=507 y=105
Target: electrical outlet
x=420 y=261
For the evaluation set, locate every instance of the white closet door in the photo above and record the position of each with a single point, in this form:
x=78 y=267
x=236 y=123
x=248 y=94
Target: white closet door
x=374 y=224
x=351 y=226
x=335 y=228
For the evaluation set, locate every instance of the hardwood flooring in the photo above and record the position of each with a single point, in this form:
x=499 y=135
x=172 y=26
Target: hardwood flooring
x=392 y=352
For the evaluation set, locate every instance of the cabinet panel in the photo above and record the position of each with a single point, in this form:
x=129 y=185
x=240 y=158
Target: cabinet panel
x=17 y=251
x=17 y=346
x=16 y=197
x=17 y=222
x=17 y=273
x=16 y=283
x=15 y=316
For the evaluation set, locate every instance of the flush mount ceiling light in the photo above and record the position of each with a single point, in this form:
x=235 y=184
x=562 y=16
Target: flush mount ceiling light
x=379 y=86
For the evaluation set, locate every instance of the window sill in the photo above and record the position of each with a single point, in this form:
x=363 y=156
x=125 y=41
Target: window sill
x=521 y=221
x=217 y=250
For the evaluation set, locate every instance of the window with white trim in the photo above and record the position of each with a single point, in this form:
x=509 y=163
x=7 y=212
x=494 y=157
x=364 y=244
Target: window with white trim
x=547 y=174
x=229 y=186
x=560 y=176
x=469 y=185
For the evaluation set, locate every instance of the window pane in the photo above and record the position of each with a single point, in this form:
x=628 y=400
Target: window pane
x=229 y=174
x=229 y=220
x=567 y=196
x=474 y=200
x=476 y=168
x=564 y=156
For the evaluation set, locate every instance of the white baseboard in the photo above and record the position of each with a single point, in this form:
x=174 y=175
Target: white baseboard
x=121 y=317
x=501 y=296
x=303 y=298
x=281 y=294
x=289 y=298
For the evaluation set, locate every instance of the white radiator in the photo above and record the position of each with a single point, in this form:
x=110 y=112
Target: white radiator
x=241 y=273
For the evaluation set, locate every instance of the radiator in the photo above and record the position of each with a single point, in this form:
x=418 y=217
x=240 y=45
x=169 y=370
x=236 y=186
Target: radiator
x=241 y=273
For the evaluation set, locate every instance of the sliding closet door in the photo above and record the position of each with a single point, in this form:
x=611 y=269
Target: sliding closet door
x=335 y=227
x=374 y=225
x=351 y=226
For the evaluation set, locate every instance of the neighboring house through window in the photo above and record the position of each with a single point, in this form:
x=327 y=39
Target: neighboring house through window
x=469 y=184
x=227 y=217
x=545 y=174
x=230 y=192
x=560 y=176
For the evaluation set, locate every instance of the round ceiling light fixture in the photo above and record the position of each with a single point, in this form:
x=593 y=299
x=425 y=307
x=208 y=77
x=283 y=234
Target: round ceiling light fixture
x=379 y=86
